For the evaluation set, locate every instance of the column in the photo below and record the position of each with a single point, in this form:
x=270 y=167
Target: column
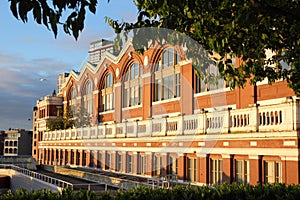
x=186 y=87
x=117 y=101
x=88 y=158
x=50 y=157
x=135 y=162
x=203 y=168
x=124 y=155
x=69 y=155
x=146 y=99
x=74 y=157
x=80 y=157
x=149 y=160
x=181 y=166
x=58 y=157
x=255 y=169
x=95 y=158
x=227 y=168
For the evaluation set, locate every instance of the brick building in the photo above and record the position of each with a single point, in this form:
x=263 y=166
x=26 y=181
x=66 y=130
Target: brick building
x=150 y=115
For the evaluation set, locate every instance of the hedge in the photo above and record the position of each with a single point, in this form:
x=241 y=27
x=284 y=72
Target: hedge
x=225 y=191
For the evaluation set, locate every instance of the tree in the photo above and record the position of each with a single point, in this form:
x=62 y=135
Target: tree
x=52 y=13
x=231 y=28
x=227 y=28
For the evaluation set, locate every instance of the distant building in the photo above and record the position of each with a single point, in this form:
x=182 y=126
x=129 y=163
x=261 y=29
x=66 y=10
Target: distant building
x=17 y=142
x=1 y=142
x=46 y=108
x=98 y=48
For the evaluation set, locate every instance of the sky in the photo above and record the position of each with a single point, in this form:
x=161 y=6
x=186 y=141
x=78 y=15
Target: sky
x=29 y=52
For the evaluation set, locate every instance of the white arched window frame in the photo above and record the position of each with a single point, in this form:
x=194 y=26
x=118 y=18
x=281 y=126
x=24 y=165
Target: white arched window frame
x=107 y=93
x=88 y=98
x=132 y=90
x=167 y=76
x=72 y=100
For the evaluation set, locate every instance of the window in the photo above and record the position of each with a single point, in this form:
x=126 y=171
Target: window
x=157 y=165
x=129 y=165
x=216 y=171
x=173 y=166
x=72 y=100
x=107 y=93
x=108 y=161
x=142 y=164
x=272 y=172
x=213 y=82
x=132 y=90
x=118 y=161
x=242 y=171
x=167 y=76
x=88 y=98
x=192 y=169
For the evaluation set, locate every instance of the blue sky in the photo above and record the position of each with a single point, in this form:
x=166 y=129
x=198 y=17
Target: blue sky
x=30 y=51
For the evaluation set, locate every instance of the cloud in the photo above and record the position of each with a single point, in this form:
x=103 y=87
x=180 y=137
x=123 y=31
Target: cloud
x=20 y=87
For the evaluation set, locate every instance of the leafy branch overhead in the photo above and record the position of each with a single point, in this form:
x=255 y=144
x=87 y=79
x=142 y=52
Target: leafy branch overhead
x=52 y=13
x=233 y=28
x=246 y=29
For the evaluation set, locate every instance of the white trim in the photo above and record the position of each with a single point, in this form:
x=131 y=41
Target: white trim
x=253 y=153
x=132 y=107
x=118 y=84
x=289 y=143
x=212 y=92
x=226 y=156
x=146 y=75
x=175 y=114
x=166 y=101
x=106 y=112
x=253 y=143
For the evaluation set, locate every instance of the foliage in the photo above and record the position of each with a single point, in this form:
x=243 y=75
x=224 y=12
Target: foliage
x=81 y=117
x=51 y=13
x=61 y=121
x=227 y=28
x=232 y=191
x=232 y=28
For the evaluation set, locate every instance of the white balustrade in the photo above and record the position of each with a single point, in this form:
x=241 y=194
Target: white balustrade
x=279 y=117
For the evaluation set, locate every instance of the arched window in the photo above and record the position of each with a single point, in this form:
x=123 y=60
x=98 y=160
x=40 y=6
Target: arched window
x=107 y=93
x=72 y=99
x=88 y=98
x=132 y=90
x=167 y=76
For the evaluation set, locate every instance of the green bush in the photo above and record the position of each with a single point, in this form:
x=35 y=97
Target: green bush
x=225 y=191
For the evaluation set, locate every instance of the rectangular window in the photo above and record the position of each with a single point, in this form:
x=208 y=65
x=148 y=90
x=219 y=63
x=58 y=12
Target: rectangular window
x=108 y=161
x=126 y=98
x=272 y=172
x=129 y=160
x=192 y=169
x=216 y=171
x=173 y=166
x=99 y=162
x=158 y=90
x=142 y=164
x=118 y=161
x=177 y=86
x=242 y=171
x=168 y=87
x=157 y=165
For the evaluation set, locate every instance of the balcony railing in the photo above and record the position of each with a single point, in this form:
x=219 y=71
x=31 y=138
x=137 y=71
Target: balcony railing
x=267 y=118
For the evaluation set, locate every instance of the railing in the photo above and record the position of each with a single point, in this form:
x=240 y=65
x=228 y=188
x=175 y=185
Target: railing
x=268 y=118
x=42 y=177
x=104 y=179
